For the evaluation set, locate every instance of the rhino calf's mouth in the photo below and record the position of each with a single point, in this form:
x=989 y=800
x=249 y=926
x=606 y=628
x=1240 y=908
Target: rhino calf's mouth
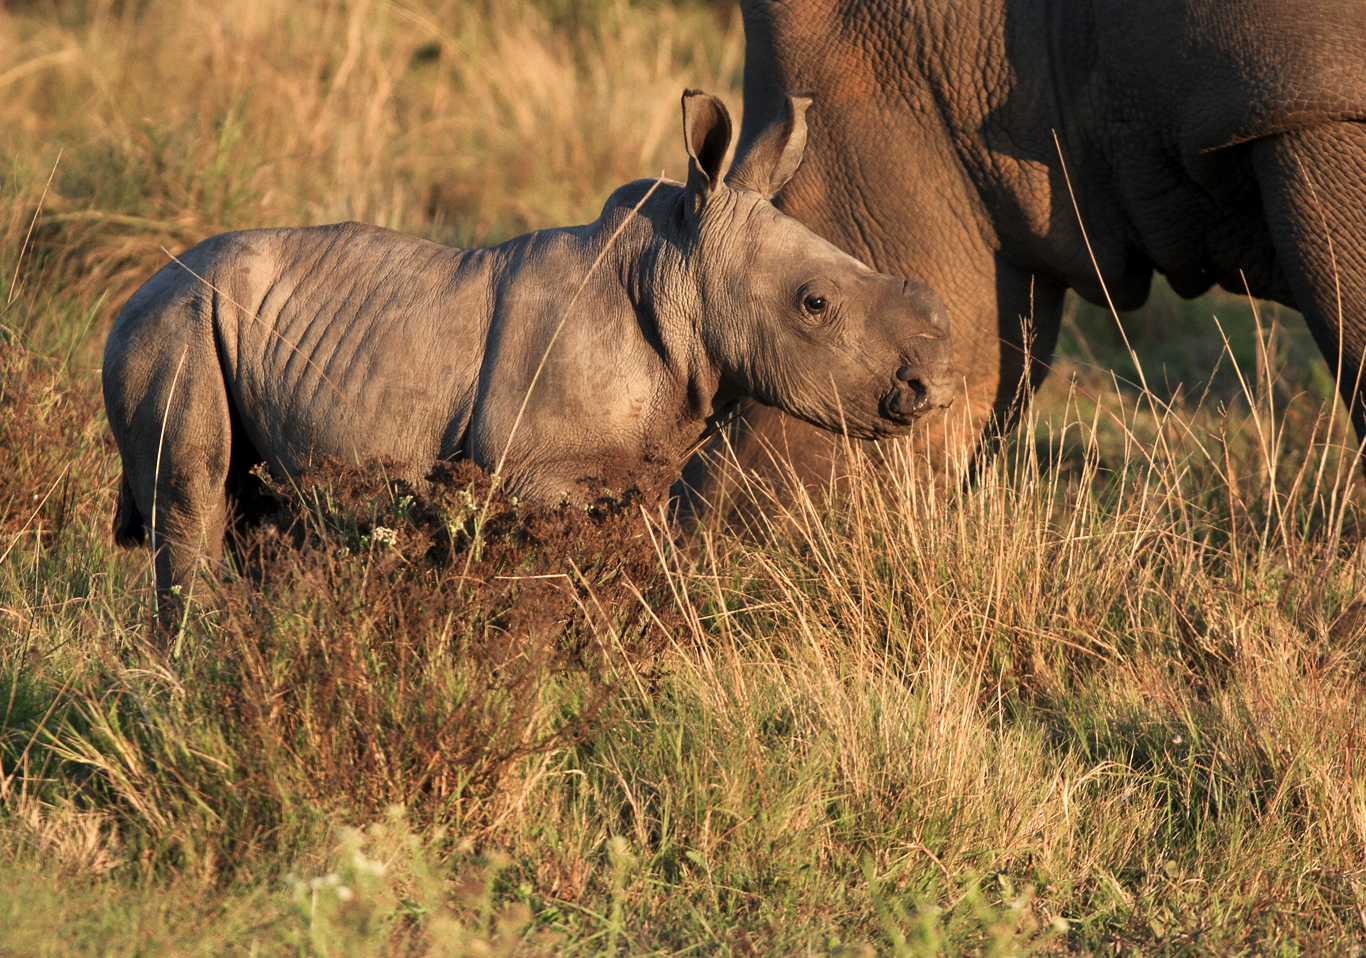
x=917 y=391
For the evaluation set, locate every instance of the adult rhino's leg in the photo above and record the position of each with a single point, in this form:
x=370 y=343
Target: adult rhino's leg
x=1002 y=358
x=1028 y=319
x=168 y=408
x=1313 y=185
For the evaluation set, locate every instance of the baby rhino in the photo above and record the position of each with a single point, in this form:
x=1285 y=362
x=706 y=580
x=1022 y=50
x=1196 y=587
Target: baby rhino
x=559 y=355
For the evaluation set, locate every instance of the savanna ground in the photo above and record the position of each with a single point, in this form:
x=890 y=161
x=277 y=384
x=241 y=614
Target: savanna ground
x=1105 y=700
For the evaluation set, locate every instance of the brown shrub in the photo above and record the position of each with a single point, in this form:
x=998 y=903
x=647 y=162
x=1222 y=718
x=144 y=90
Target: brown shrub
x=47 y=450
x=393 y=647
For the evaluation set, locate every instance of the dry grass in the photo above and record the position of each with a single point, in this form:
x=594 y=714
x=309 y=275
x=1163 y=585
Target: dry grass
x=1104 y=700
x=1091 y=675
x=464 y=122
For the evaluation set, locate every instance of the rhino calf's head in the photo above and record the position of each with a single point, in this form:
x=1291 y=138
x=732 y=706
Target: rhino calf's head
x=787 y=317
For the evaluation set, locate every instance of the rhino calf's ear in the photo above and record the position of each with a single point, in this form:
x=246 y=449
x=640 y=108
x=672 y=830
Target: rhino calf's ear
x=776 y=153
x=706 y=134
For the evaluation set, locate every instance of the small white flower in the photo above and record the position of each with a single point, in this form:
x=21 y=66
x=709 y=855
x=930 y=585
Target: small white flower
x=369 y=867
x=344 y=893
x=330 y=880
x=385 y=535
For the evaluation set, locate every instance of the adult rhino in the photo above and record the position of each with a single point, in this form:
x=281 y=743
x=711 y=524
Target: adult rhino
x=560 y=355
x=1215 y=141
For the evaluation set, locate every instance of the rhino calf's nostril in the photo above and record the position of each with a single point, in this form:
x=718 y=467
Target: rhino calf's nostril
x=905 y=374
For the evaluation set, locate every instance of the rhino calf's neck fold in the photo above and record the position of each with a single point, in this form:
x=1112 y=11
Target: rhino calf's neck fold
x=567 y=358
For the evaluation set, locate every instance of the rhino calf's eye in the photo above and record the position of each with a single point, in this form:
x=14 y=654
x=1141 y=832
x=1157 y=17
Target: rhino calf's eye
x=815 y=304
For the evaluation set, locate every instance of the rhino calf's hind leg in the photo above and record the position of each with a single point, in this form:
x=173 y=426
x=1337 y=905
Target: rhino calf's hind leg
x=190 y=522
x=174 y=436
x=1313 y=185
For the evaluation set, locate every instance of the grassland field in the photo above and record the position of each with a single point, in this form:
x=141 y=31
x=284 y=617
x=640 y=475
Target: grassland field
x=1107 y=699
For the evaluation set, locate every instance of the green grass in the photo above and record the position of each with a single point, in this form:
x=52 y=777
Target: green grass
x=1105 y=701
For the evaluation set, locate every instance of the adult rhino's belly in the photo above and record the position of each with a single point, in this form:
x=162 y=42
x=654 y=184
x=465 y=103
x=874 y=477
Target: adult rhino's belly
x=1195 y=235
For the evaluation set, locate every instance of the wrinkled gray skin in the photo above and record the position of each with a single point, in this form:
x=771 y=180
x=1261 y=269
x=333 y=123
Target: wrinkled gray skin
x=1210 y=140
x=290 y=346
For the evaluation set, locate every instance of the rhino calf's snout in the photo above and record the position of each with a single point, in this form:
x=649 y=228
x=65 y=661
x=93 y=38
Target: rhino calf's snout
x=923 y=381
